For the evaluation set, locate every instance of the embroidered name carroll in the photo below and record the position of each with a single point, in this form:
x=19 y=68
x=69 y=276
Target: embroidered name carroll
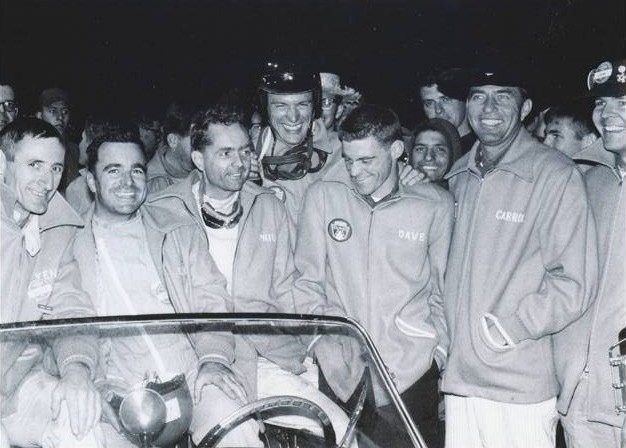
x=516 y=217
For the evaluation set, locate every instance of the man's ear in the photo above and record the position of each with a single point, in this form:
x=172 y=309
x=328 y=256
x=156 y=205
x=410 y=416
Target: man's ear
x=397 y=149
x=589 y=139
x=527 y=106
x=339 y=111
x=198 y=160
x=172 y=140
x=39 y=115
x=91 y=182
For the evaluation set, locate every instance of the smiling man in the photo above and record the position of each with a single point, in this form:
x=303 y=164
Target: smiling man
x=374 y=250
x=40 y=281
x=140 y=259
x=522 y=267
x=591 y=419
x=295 y=149
x=247 y=232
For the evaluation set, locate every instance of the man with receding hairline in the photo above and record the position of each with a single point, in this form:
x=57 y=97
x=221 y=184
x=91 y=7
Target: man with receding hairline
x=40 y=280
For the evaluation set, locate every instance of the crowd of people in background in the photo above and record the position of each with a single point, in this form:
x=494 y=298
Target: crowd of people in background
x=483 y=250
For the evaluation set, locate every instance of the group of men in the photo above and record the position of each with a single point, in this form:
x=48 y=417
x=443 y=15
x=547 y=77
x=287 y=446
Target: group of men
x=510 y=287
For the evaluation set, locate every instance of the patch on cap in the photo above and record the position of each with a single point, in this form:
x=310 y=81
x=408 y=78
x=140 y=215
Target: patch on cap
x=600 y=75
x=608 y=79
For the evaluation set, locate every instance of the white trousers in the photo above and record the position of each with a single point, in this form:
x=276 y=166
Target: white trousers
x=473 y=422
x=272 y=381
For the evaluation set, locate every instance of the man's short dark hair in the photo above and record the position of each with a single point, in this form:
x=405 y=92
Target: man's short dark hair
x=115 y=135
x=578 y=111
x=21 y=128
x=370 y=120
x=97 y=125
x=221 y=113
x=178 y=117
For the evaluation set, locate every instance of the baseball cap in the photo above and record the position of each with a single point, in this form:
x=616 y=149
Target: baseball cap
x=608 y=79
x=456 y=82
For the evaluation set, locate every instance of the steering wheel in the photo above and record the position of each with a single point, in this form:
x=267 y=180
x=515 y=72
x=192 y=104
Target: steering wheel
x=265 y=406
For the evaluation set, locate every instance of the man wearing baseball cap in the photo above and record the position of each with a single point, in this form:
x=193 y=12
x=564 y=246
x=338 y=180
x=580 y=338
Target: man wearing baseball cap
x=591 y=419
x=522 y=267
x=332 y=101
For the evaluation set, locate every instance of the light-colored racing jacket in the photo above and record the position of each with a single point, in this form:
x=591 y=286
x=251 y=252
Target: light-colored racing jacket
x=584 y=345
x=523 y=259
x=45 y=285
x=380 y=264
x=263 y=269
x=185 y=268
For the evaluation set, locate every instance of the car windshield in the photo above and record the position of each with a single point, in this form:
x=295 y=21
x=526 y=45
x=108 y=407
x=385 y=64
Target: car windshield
x=152 y=377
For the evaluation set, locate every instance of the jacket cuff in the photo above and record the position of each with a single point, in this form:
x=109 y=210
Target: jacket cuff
x=216 y=347
x=76 y=349
x=78 y=359
x=220 y=359
x=515 y=328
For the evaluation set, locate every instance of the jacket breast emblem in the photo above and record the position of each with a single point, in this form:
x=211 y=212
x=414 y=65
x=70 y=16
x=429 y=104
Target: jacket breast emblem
x=339 y=229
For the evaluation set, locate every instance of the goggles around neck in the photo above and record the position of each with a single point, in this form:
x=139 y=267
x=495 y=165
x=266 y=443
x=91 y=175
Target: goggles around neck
x=295 y=163
x=216 y=220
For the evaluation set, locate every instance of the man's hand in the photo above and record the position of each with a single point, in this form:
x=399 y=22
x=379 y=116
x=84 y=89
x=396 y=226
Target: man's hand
x=220 y=376
x=410 y=176
x=81 y=398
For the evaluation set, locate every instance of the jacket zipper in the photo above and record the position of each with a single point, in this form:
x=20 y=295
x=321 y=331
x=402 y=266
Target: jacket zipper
x=467 y=251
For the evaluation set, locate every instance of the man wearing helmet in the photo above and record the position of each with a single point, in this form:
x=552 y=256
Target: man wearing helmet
x=295 y=149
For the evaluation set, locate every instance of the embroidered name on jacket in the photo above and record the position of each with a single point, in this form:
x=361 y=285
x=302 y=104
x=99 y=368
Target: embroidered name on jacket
x=412 y=236
x=508 y=216
x=267 y=237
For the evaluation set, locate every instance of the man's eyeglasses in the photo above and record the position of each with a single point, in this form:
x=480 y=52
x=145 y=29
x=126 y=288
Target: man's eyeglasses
x=8 y=107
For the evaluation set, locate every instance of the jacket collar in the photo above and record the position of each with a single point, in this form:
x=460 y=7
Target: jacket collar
x=182 y=191
x=338 y=173
x=515 y=160
x=59 y=213
x=596 y=153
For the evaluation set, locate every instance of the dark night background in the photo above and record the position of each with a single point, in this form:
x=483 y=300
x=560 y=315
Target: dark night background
x=123 y=54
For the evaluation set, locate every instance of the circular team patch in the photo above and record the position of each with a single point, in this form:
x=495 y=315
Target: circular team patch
x=278 y=192
x=600 y=75
x=339 y=230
